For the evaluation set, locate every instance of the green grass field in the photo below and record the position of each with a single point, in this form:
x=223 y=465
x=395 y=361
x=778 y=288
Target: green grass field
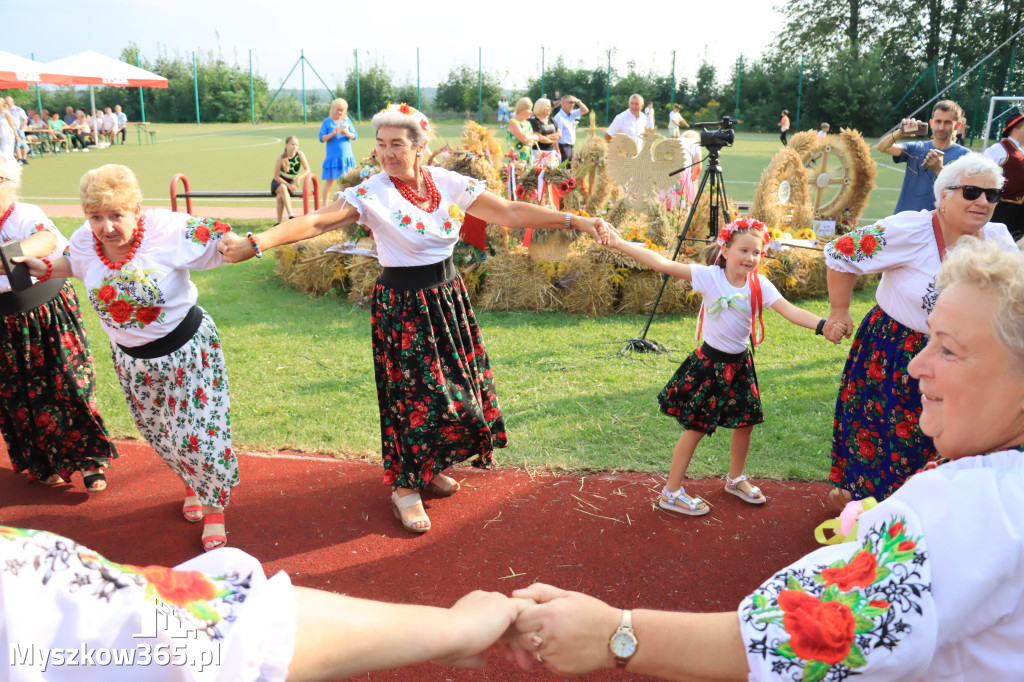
x=241 y=156
x=301 y=371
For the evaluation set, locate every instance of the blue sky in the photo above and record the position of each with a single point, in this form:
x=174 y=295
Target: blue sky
x=447 y=34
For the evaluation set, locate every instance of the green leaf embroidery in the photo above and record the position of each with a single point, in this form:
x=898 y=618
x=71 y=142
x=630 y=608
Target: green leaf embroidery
x=785 y=650
x=793 y=584
x=814 y=671
x=855 y=659
x=862 y=624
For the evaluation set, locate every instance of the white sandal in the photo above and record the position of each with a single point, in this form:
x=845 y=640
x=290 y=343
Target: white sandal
x=755 y=496
x=680 y=503
x=400 y=503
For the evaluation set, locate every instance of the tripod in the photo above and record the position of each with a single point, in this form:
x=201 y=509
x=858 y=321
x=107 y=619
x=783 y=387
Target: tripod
x=715 y=182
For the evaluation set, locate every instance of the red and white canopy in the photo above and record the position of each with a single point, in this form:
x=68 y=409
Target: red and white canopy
x=18 y=72
x=91 y=68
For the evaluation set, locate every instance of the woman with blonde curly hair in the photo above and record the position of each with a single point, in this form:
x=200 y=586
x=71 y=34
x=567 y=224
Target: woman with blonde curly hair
x=135 y=264
x=435 y=388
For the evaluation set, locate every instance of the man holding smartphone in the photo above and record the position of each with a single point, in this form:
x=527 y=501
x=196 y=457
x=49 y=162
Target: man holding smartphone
x=924 y=158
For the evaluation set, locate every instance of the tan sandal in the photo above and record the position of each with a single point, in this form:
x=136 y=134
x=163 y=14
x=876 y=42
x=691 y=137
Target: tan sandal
x=449 y=486
x=401 y=503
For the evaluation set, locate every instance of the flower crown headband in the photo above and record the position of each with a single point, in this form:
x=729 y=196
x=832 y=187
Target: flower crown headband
x=415 y=114
x=743 y=224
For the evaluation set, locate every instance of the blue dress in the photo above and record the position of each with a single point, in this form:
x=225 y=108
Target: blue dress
x=340 y=159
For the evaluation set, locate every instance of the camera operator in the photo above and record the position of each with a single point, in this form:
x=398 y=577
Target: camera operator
x=924 y=159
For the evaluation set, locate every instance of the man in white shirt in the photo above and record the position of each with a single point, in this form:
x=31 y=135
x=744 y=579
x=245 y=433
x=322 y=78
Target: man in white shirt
x=109 y=125
x=20 y=123
x=824 y=130
x=629 y=122
x=121 y=120
x=566 y=119
x=1009 y=153
x=676 y=121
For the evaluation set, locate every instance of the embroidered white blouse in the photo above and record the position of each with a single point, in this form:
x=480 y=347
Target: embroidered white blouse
x=407 y=235
x=25 y=220
x=215 y=617
x=901 y=247
x=932 y=589
x=726 y=324
x=147 y=298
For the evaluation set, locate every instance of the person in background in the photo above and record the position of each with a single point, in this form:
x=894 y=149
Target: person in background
x=69 y=115
x=503 y=110
x=567 y=118
x=924 y=159
x=109 y=125
x=676 y=121
x=1008 y=153
x=57 y=132
x=289 y=169
x=7 y=134
x=121 y=121
x=824 y=130
x=85 y=131
x=547 y=134
x=20 y=119
x=784 y=126
x=337 y=133
x=649 y=115
x=519 y=133
x=630 y=122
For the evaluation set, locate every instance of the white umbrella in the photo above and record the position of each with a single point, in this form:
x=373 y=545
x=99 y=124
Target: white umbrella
x=18 y=72
x=92 y=68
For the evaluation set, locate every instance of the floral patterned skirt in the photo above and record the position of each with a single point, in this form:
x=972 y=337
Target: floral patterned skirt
x=48 y=415
x=180 y=404
x=876 y=440
x=435 y=388
x=712 y=389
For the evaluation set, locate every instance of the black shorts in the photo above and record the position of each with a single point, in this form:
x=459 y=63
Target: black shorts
x=274 y=184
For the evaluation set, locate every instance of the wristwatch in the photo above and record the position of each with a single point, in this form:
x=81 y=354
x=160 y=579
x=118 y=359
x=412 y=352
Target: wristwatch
x=623 y=642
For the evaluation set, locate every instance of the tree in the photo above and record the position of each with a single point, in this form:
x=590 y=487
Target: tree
x=374 y=92
x=407 y=93
x=460 y=92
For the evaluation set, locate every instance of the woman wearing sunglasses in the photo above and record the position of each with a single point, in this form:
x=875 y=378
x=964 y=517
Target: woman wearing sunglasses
x=877 y=442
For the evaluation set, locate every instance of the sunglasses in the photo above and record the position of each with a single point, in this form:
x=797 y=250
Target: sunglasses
x=972 y=192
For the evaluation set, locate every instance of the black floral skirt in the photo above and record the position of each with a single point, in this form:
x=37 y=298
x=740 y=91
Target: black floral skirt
x=712 y=389
x=48 y=414
x=435 y=387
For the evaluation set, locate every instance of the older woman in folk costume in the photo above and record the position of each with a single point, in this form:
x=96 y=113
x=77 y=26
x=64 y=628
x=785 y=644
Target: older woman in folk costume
x=877 y=440
x=135 y=264
x=929 y=585
x=435 y=389
x=48 y=414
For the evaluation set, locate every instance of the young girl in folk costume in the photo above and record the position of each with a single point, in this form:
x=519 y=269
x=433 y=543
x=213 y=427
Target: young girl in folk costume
x=716 y=385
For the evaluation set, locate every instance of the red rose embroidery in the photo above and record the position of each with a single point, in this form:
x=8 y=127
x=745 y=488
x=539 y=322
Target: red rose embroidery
x=178 y=587
x=491 y=413
x=120 y=311
x=858 y=573
x=845 y=246
x=147 y=314
x=868 y=244
x=875 y=371
x=895 y=529
x=819 y=631
x=202 y=234
x=878 y=603
x=906 y=546
x=416 y=420
x=106 y=293
x=867 y=450
x=406 y=220
x=220 y=227
x=903 y=430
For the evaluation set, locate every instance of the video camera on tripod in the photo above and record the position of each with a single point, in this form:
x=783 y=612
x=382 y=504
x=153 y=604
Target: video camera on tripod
x=724 y=136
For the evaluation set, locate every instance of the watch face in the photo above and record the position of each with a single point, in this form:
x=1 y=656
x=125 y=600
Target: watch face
x=623 y=644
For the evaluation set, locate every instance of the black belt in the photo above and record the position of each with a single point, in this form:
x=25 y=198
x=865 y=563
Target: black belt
x=14 y=302
x=174 y=340
x=715 y=355
x=419 y=277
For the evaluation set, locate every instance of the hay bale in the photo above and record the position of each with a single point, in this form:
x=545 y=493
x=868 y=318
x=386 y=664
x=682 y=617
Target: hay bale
x=513 y=282
x=586 y=287
x=363 y=272
x=638 y=291
x=305 y=266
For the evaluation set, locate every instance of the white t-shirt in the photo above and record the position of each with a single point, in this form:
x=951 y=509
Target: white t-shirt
x=997 y=152
x=901 y=247
x=109 y=123
x=726 y=324
x=407 y=235
x=567 y=125
x=25 y=220
x=649 y=116
x=675 y=119
x=57 y=594
x=930 y=590
x=626 y=124
x=149 y=296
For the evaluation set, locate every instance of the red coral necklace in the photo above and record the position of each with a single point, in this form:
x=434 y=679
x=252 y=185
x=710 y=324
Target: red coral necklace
x=140 y=231
x=433 y=196
x=6 y=215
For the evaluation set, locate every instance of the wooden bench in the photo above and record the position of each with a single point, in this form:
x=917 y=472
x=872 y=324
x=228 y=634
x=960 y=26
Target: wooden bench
x=310 y=189
x=144 y=128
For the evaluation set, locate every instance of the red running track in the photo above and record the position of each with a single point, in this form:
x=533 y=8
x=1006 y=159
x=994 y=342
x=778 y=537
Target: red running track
x=328 y=523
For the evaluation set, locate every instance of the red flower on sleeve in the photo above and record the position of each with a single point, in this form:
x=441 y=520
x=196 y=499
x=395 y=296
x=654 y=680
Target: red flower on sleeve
x=846 y=246
x=860 y=572
x=819 y=631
